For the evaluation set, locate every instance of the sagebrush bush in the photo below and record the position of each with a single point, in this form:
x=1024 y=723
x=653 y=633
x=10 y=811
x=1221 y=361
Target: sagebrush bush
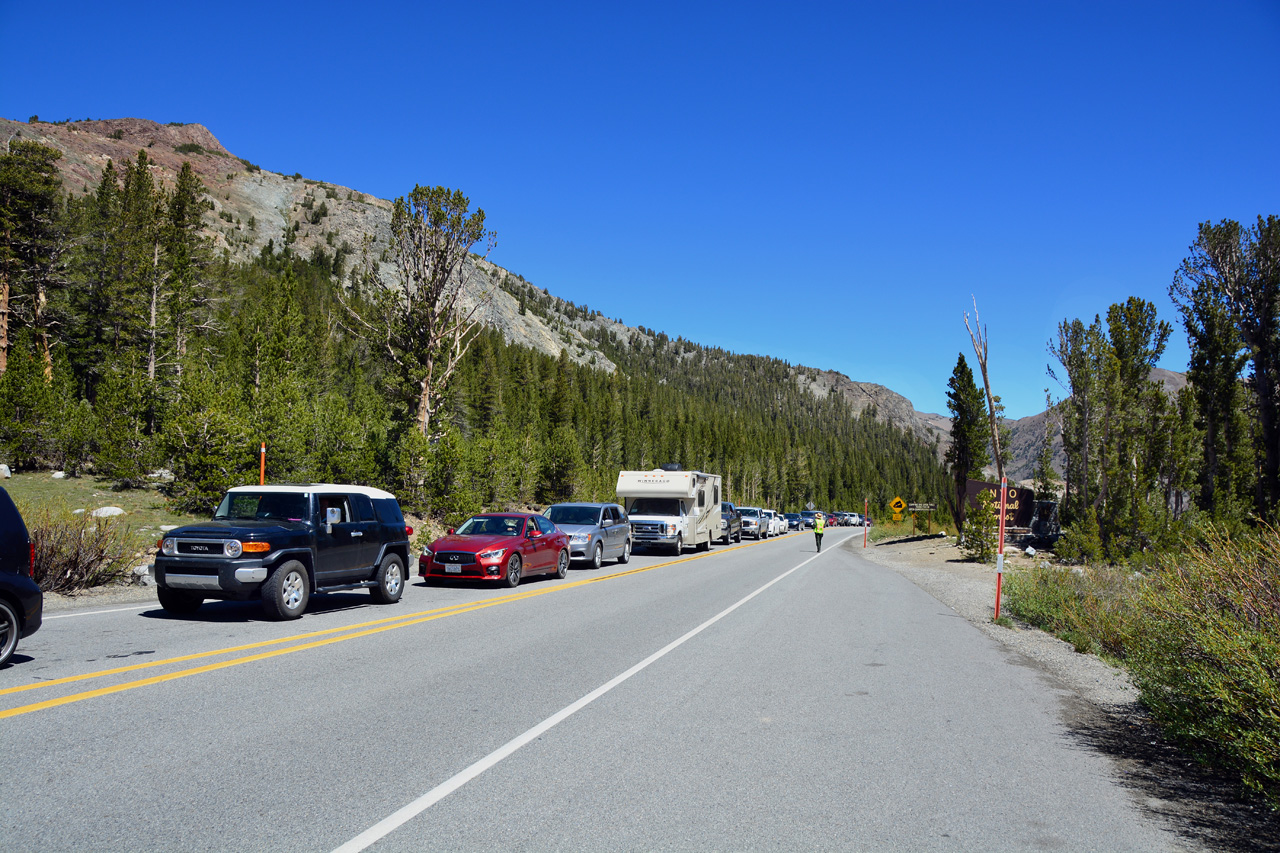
x=1206 y=655
x=77 y=551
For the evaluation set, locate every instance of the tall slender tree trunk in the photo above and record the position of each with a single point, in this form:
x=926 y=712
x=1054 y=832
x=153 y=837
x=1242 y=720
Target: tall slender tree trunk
x=152 y=322
x=46 y=353
x=4 y=322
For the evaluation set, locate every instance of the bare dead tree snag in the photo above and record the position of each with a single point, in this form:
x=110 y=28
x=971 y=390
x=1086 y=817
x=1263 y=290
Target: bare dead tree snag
x=981 y=347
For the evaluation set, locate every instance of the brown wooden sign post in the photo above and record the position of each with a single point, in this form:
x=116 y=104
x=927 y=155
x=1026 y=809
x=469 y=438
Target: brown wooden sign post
x=928 y=519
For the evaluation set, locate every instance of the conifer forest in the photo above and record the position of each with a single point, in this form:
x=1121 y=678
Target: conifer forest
x=132 y=352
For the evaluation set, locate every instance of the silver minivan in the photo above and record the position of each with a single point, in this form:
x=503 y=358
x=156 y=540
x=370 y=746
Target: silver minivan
x=597 y=532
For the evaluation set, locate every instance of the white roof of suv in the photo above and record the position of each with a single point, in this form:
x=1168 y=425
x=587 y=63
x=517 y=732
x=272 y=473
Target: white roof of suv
x=316 y=487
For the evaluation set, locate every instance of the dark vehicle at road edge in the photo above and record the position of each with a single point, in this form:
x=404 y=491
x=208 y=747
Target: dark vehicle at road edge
x=730 y=522
x=284 y=543
x=21 y=601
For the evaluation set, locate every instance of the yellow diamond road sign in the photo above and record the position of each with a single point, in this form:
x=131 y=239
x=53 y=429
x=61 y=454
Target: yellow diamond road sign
x=898 y=504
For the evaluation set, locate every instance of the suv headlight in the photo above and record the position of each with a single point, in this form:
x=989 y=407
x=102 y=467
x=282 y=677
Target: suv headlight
x=169 y=547
x=231 y=548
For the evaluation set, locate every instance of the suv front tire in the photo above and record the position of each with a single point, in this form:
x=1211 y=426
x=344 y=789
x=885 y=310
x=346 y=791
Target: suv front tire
x=286 y=591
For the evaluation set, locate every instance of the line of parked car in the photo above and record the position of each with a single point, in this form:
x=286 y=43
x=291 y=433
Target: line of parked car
x=21 y=601
x=283 y=543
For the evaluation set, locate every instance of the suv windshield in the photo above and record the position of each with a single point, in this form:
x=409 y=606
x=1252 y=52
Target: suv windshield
x=574 y=514
x=656 y=506
x=280 y=506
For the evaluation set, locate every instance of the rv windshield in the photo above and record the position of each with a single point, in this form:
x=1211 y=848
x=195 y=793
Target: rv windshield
x=656 y=506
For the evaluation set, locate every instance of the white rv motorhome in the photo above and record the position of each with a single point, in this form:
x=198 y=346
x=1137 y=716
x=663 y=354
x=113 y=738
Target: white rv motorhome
x=671 y=509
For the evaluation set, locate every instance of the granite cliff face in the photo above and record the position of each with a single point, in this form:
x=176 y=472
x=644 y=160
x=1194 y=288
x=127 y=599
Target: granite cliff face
x=253 y=207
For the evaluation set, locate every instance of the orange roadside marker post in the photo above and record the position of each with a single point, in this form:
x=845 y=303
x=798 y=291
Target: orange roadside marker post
x=1004 y=498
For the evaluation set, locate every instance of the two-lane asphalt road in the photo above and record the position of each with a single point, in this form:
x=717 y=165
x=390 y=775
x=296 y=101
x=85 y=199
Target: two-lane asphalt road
x=761 y=696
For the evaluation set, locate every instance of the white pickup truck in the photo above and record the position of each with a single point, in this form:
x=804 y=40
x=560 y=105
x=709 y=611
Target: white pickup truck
x=671 y=509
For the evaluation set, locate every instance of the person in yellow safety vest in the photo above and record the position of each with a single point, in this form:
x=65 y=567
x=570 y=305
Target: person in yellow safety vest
x=819 y=523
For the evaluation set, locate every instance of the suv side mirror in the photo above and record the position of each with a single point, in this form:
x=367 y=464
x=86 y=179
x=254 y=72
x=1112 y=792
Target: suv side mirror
x=332 y=516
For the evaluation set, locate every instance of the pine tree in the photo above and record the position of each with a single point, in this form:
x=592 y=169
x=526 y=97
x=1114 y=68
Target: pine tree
x=967 y=452
x=31 y=242
x=1228 y=290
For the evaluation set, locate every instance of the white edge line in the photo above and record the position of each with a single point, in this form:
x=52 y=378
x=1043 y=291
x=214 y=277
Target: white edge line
x=399 y=818
x=97 y=612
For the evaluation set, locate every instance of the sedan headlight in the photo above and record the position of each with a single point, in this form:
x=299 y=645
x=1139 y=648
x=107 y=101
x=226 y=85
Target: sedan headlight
x=495 y=554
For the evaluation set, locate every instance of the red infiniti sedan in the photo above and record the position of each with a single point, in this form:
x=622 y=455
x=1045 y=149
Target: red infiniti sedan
x=498 y=546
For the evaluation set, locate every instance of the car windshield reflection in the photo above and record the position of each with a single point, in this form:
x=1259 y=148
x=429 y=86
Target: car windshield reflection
x=491 y=525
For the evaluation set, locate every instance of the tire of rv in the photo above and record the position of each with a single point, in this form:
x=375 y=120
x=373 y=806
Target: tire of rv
x=679 y=549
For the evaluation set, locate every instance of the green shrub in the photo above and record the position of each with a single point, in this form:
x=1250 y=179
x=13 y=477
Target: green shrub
x=1081 y=542
x=981 y=529
x=1093 y=609
x=190 y=148
x=1207 y=655
x=77 y=551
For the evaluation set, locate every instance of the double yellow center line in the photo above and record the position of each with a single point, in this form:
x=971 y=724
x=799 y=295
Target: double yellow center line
x=288 y=645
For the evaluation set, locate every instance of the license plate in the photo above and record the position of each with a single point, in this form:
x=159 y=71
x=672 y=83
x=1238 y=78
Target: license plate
x=456 y=570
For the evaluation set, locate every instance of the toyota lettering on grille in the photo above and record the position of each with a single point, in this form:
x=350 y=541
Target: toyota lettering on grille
x=204 y=548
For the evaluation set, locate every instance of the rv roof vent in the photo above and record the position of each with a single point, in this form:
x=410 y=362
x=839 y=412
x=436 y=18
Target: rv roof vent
x=671 y=466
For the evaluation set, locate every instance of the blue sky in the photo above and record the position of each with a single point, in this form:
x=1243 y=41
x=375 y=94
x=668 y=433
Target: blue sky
x=826 y=183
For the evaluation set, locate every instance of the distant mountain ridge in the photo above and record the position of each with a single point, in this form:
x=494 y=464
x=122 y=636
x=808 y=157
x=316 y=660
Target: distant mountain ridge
x=254 y=208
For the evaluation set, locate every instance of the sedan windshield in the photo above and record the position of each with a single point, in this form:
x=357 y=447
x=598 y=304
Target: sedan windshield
x=263 y=505
x=574 y=514
x=491 y=525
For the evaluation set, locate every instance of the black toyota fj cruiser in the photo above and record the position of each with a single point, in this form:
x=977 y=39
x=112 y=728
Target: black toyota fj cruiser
x=282 y=543
x=21 y=601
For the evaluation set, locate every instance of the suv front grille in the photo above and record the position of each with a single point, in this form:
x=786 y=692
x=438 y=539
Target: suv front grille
x=200 y=547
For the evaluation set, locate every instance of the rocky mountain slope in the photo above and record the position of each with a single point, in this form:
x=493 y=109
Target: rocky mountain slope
x=254 y=208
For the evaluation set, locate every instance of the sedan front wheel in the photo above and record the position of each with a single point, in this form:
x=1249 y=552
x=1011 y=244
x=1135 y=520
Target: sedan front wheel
x=512 y=578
